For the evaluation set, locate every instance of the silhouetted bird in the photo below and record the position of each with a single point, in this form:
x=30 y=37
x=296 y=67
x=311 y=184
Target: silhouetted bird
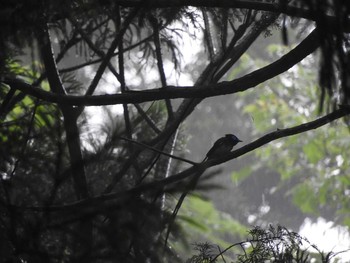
x=222 y=146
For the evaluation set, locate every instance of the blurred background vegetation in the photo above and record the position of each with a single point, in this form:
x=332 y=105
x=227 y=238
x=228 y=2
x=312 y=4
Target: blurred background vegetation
x=287 y=182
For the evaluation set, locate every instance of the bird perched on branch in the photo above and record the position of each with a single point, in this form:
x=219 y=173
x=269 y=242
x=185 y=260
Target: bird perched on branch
x=222 y=146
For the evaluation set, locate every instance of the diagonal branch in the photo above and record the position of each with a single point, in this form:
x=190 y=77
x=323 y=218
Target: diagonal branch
x=147 y=119
x=207 y=34
x=160 y=64
x=100 y=203
x=98 y=60
x=69 y=115
x=46 y=50
x=234 y=53
x=95 y=49
x=110 y=52
x=158 y=151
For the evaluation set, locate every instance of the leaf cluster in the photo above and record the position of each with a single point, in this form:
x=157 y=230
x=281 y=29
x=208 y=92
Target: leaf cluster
x=274 y=244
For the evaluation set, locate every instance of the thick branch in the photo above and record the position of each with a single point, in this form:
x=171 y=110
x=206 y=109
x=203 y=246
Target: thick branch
x=281 y=133
x=306 y=47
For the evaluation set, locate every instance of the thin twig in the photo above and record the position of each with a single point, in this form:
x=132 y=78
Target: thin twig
x=158 y=151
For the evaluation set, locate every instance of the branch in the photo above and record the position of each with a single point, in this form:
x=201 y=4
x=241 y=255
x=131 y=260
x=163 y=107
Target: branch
x=94 y=48
x=235 y=51
x=207 y=34
x=110 y=53
x=101 y=203
x=46 y=51
x=147 y=119
x=69 y=115
x=281 y=133
x=306 y=47
x=98 y=60
x=160 y=64
x=158 y=151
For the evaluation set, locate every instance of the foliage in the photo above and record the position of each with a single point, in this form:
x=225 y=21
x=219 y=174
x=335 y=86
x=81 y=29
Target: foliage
x=200 y=218
x=65 y=198
x=312 y=165
x=274 y=244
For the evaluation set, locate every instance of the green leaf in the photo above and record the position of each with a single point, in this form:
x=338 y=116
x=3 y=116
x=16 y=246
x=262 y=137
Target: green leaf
x=304 y=198
x=344 y=180
x=323 y=193
x=200 y=217
x=313 y=152
x=193 y=222
x=346 y=221
x=240 y=175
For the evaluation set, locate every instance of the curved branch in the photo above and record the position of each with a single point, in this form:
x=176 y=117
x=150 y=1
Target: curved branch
x=278 y=7
x=306 y=47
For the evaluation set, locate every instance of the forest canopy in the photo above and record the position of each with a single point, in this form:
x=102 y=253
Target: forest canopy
x=110 y=109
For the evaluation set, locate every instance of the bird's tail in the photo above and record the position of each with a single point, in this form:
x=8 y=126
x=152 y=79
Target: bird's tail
x=191 y=186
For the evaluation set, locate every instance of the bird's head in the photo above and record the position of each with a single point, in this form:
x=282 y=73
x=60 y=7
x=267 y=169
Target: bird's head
x=233 y=138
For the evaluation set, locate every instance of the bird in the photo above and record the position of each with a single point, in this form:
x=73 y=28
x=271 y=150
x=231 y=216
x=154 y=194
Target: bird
x=222 y=146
